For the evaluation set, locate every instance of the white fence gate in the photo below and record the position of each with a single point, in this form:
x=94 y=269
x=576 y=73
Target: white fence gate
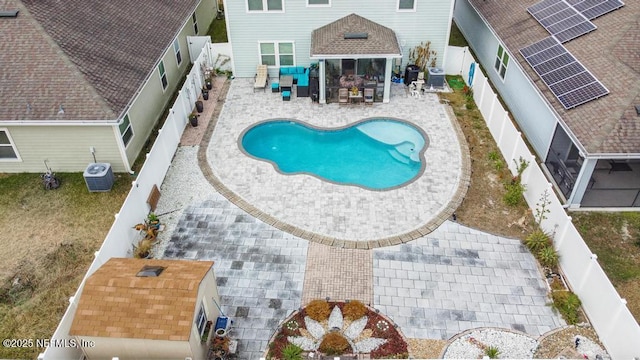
x=608 y=313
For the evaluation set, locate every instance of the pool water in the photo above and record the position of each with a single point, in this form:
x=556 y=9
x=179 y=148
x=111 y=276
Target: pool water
x=376 y=154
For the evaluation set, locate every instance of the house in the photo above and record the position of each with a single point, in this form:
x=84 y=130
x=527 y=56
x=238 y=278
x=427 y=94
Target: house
x=86 y=81
x=576 y=94
x=147 y=309
x=354 y=43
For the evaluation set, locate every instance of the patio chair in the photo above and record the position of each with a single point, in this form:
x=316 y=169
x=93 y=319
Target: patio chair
x=343 y=96
x=368 y=96
x=261 y=78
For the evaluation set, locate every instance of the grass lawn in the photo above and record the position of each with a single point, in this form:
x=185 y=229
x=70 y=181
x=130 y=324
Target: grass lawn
x=218 y=31
x=47 y=242
x=456 y=38
x=615 y=238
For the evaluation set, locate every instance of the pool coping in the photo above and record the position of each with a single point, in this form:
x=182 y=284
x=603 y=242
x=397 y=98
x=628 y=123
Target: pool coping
x=423 y=162
x=430 y=226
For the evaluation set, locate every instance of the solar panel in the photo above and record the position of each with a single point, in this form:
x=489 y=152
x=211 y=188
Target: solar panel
x=583 y=5
x=561 y=19
x=601 y=9
x=570 y=82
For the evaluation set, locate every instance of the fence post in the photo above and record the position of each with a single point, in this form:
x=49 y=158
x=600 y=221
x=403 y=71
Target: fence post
x=587 y=271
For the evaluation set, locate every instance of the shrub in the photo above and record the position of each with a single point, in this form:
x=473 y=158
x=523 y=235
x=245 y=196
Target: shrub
x=548 y=256
x=292 y=352
x=568 y=304
x=334 y=344
x=492 y=352
x=318 y=310
x=537 y=240
x=513 y=196
x=493 y=155
x=354 y=310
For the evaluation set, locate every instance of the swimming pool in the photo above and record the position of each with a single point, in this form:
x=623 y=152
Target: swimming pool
x=378 y=153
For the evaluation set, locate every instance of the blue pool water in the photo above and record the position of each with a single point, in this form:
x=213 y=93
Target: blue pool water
x=377 y=154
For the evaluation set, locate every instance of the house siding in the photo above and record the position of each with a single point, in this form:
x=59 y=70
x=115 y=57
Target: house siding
x=207 y=293
x=527 y=106
x=66 y=148
x=148 y=107
x=430 y=22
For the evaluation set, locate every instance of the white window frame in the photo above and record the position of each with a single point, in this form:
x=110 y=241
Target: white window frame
x=201 y=320
x=195 y=23
x=277 y=52
x=176 y=51
x=415 y=5
x=13 y=146
x=128 y=128
x=265 y=9
x=499 y=64
x=163 y=76
x=319 y=5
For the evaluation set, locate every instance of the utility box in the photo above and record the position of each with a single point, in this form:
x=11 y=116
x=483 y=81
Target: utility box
x=435 y=78
x=99 y=177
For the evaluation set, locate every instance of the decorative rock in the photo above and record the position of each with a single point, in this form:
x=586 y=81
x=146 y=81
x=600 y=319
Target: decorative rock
x=510 y=345
x=368 y=345
x=356 y=327
x=335 y=319
x=587 y=347
x=304 y=343
x=315 y=328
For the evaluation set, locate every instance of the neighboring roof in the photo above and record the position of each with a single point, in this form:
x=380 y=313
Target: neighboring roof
x=606 y=125
x=116 y=304
x=329 y=39
x=91 y=57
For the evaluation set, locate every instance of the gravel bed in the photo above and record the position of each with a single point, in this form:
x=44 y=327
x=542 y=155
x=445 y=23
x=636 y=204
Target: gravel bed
x=315 y=328
x=426 y=348
x=356 y=327
x=368 y=345
x=335 y=319
x=554 y=343
x=510 y=345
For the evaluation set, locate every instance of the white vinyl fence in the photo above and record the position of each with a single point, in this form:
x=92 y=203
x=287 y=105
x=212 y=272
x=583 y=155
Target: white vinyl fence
x=121 y=237
x=608 y=313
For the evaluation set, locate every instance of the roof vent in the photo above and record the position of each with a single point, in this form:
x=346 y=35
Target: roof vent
x=638 y=110
x=9 y=14
x=356 y=35
x=150 y=271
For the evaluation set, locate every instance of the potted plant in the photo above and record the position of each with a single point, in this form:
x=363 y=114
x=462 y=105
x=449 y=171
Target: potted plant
x=208 y=84
x=193 y=119
x=143 y=250
x=205 y=93
x=153 y=221
x=354 y=91
x=199 y=106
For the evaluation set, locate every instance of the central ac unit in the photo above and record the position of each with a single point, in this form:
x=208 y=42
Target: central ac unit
x=99 y=177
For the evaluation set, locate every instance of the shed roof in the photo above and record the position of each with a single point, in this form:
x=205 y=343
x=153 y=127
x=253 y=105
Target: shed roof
x=91 y=57
x=115 y=303
x=329 y=40
x=606 y=125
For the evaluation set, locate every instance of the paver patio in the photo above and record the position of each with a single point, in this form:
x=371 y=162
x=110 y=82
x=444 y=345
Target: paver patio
x=433 y=287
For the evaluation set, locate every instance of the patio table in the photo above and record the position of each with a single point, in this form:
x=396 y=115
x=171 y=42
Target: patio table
x=286 y=82
x=355 y=98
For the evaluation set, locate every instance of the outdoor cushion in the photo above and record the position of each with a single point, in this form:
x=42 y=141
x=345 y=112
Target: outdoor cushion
x=284 y=70
x=286 y=95
x=299 y=69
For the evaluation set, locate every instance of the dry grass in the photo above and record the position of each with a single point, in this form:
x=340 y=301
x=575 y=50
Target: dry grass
x=483 y=207
x=47 y=243
x=615 y=238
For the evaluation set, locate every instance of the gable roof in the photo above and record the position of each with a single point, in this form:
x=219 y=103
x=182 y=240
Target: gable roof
x=91 y=56
x=329 y=40
x=606 y=125
x=116 y=303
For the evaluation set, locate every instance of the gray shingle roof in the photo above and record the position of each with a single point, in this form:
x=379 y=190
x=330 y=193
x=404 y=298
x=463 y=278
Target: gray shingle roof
x=329 y=39
x=90 y=56
x=611 y=53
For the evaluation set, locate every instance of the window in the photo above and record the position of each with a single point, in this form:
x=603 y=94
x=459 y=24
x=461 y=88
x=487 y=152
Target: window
x=7 y=149
x=277 y=53
x=163 y=75
x=264 y=5
x=176 y=50
x=126 y=131
x=406 y=5
x=201 y=320
x=318 y=3
x=502 y=61
x=195 y=23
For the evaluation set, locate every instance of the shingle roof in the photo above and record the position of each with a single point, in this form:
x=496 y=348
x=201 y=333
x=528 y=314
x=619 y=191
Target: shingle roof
x=91 y=56
x=329 y=39
x=611 y=53
x=115 y=303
